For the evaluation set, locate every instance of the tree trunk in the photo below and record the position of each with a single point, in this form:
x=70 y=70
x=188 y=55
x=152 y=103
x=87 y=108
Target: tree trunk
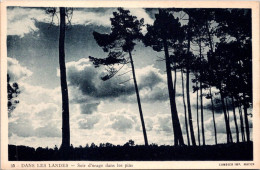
x=198 y=122
x=178 y=138
x=174 y=92
x=228 y=132
x=209 y=60
x=209 y=36
x=246 y=120
x=245 y=110
x=185 y=111
x=201 y=98
x=227 y=108
x=138 y=100
x=241 y=122
x=213 y=115
x=188 y=90
x=231 y=138
x=235 y=119
x=202 y=116
x=64 y=87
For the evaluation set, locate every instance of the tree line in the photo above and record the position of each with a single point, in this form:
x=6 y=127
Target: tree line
x=212 y=47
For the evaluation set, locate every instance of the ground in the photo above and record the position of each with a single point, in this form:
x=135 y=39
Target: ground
x=128 y=152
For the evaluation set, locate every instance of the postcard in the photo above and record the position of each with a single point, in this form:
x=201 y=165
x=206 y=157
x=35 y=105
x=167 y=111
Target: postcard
x=130 y=85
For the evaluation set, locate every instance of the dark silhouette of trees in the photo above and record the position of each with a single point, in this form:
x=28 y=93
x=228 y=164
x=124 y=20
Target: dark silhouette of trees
x=208 y=16
x=189 y=57
x=12 y=93
x=132 y=152
x=242 y=128
x=235 y=118
x=164 y=33
x=228 y=66
x=179 y=63
x=199 y=64
x=237 y=24
x=125 y=30
x=210 y=96
x=198 y=26
x=219 y=68
x=198 y=124
x=184 y=107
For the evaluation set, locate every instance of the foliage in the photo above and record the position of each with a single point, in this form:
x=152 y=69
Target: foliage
x=12 y=93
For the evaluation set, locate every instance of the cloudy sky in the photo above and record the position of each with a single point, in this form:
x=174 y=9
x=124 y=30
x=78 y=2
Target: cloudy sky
x=100 y=111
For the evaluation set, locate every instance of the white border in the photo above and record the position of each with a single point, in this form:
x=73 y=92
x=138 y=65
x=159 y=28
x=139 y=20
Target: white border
x=5 y=164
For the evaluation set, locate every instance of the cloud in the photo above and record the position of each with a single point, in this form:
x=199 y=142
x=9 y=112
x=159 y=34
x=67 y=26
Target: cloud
x=149 y=123
x=86 y=78
x=22 y=20
x=88 y=123
x=32 y=95
x=122 y=120
x=207 y=102
x=165 y=124
x=93 y=17
x=88 y=108
x=218 y=109
x=83 y=75
x=122 y=123
x=149 y=76
x=38 y=113
x=158 y=93
x=50 y=130
x=21 y=127
x=16 y=71
x=35 y=121
x=101 y=17
x=32 y=121
x=141 y=13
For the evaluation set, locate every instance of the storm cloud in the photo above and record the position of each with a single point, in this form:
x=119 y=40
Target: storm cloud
x=87 y=79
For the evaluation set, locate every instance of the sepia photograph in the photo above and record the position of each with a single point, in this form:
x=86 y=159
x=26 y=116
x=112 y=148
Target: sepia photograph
x=123 y=83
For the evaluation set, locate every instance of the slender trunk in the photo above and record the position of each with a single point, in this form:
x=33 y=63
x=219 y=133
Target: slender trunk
x=175 y=79
x=213 y=115
x=178 y=138
x=188 y=90
x=245 y=111
x=235 y=119
x=231 y=138
x=226 y=118
x=138 y=100
x=201 y=98
x=241 y=122
x=246 y=120
x=198 y=122
x=209 y=60
x=202 y=116
x=227 y=108
x=209 y=36
x=185 y=111
x=64 y=87
x=174 y=94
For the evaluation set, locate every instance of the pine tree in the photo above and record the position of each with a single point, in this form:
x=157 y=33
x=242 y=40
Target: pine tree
x=125 y=30
x=166 y=31
x=64 y=12
x=12 y=93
